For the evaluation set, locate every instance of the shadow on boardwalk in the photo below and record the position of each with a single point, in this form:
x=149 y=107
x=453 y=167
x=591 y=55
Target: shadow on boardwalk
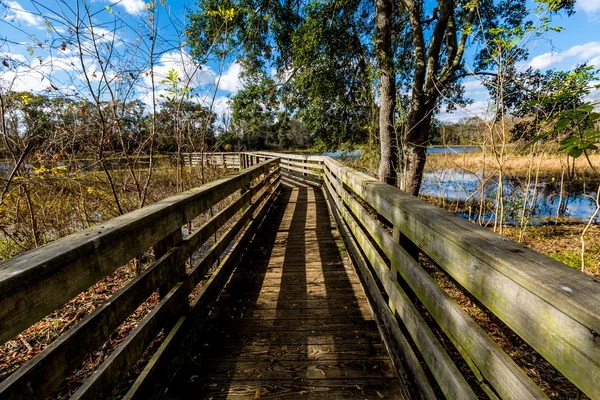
x=293 y=321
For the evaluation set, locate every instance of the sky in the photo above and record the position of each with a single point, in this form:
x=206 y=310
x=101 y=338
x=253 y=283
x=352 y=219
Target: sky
x=33 y=57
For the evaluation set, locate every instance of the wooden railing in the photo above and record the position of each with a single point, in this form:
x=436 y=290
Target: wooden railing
x=307 y=168
x=555 y=309
x=38 y=282
x=214 y=159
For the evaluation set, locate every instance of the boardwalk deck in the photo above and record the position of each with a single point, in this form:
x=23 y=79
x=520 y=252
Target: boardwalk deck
x=293 y=320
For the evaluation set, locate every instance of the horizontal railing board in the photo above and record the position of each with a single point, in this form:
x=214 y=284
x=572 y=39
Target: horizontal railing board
x=307 y=165
x=507 y=378
x=301 y=157
x=300 y=170
x=554 y=308
x=161 y=360
x=447 y=375
x=403 y=356
x=37 y=282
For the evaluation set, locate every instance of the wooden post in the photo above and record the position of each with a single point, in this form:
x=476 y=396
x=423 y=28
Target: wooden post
x=160 y=249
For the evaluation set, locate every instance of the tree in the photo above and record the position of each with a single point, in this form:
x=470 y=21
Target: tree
x=439 y=45
x=387 y=137
x=315 y=54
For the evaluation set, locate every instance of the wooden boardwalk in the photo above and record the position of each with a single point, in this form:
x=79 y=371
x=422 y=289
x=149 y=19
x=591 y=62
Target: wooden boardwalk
x=293 y=321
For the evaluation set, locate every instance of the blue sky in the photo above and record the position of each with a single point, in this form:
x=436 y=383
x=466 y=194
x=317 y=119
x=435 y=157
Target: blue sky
x=37 y=61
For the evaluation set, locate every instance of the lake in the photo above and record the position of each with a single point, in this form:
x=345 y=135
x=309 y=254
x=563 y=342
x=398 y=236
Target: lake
x=543 y=198
x=430 y=150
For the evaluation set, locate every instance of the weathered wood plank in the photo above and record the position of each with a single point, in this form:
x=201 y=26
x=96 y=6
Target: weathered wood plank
x=554 y=308
x=306 y=389
x=447 y=375
x=497 y=367
x=298 y=352
x=37 y=282
x=405 y=361
x=323 y=369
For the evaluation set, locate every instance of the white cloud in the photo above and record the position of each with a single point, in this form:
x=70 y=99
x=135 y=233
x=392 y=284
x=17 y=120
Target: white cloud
x=477 y=109
x=589 y=6
x=231 y=81
x=18 y=13
x=190 y=73
x=25 y=79
x=133 y=6
x=222 y=106
x=588 y=52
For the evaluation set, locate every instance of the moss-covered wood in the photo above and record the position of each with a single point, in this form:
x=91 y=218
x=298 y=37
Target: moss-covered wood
x=554 y=308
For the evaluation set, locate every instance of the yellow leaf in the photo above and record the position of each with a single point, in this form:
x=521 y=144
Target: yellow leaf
x=381 y=395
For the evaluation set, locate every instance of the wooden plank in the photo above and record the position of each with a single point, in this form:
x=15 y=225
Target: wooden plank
x=37 y=282
x=405 y=361
x=497 y=367
x=307 y=389
x=298 y=352
x=144 y=384
x=324 y=369
x=297 y=157
x=552 y=307
x=45 y=372
x=280 y=338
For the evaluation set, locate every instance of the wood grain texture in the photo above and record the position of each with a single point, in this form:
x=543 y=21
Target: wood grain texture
x=259 y=333
x=551 y=306
x=496 y=366
x=37 y=282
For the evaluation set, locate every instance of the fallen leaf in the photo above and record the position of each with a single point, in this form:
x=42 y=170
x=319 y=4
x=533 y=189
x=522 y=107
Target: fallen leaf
x=212 y=385
x=380 y=394
x=284 y=348
x=322 y=372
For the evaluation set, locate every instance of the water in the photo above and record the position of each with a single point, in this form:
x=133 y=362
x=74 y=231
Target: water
x=354 y=154
x=542 y=199
x=542 y=202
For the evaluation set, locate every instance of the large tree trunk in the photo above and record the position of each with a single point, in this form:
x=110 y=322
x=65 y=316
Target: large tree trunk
x=388 y=161
x=414 y=151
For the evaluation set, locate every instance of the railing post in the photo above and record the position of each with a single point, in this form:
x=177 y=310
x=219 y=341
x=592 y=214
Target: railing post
x=305 y=174
x=160 y=249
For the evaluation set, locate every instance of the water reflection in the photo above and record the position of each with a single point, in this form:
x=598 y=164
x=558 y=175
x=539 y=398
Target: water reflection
x=542 y=198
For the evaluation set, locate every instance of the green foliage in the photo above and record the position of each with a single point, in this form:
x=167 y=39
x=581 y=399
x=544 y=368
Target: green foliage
x=565 y=113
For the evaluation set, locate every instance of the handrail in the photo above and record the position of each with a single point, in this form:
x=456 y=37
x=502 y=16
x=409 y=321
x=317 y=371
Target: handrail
x=553 y=308
x=307 y=168
x=41 y=280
